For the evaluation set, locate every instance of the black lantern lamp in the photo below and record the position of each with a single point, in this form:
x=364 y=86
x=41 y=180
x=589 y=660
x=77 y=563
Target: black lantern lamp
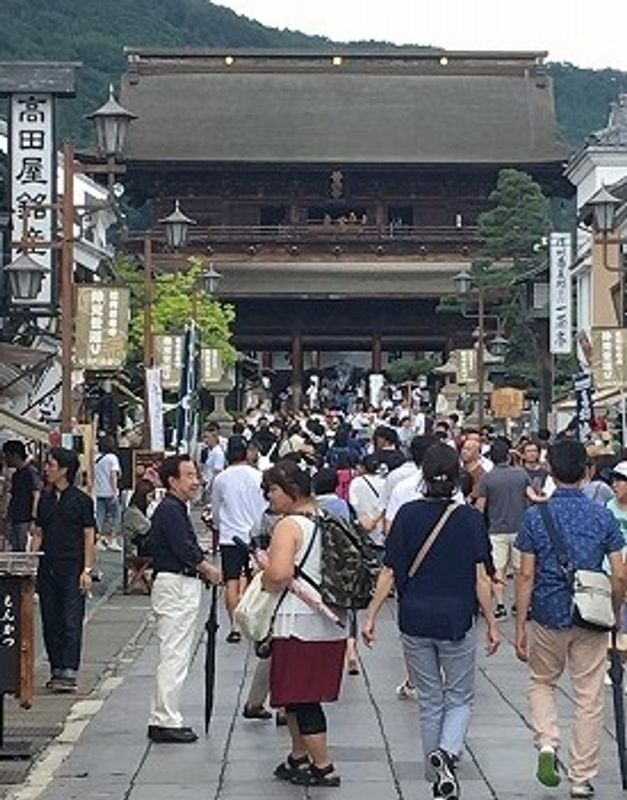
x=604 y=206
x=210 y=280
x=111 y=122
x=463 y=282
x=499 y=346
x=25 y=277
x=177 y=227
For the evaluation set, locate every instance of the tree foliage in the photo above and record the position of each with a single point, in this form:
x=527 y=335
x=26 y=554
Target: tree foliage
x=410 y=369
x=176 y=299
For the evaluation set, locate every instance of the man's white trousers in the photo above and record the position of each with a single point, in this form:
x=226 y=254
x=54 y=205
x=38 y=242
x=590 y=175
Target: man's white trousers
x=175 y=603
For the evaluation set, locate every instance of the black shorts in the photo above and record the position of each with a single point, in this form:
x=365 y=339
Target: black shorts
x=235 y=562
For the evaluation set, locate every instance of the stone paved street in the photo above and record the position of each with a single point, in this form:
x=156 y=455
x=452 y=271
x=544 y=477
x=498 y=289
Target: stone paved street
x=373 y=736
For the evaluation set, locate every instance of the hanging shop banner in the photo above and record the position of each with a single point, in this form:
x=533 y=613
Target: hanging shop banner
x=154 y=396
x=609 y=357
x=560 y=298
x=466 y=365
x=507 y=402
x=583 y=395
x=33 y=174
x=211 y=366
x=102 y=314
x=169 y=358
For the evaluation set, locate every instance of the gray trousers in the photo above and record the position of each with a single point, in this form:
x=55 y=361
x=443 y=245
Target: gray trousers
x=19 y=536
x=260 y=686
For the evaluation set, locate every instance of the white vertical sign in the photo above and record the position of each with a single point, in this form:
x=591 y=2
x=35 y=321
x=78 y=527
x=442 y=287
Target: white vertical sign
x=33 y=177
x=560 y=299
x=155 y=408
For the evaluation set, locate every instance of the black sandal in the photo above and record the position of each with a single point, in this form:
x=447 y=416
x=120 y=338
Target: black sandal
x=316 y=776
x=291 y=766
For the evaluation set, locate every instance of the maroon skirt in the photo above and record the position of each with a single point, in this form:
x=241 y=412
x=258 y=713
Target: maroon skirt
x=305 y=672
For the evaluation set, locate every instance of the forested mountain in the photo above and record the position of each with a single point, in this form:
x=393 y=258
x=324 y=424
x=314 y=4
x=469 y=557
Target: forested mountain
x=95 y=31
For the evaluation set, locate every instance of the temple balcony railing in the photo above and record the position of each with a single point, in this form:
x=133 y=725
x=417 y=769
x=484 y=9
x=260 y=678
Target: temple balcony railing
x=336 y=233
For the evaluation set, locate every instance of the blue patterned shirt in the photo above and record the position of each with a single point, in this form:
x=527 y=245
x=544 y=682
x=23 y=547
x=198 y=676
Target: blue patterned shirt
x=590 y=533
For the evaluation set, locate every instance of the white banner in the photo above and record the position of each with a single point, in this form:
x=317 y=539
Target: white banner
x=560 y=298
x=33 y=178
x=155 y=408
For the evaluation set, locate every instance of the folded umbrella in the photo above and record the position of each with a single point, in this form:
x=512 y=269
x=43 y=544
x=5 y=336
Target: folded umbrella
x=211 y=626
x=616 y=676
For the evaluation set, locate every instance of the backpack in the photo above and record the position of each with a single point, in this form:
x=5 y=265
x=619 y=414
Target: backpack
x=349 y=566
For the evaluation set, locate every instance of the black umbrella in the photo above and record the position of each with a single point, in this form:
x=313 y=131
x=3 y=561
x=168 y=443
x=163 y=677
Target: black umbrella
x=211 y=626
x=616 y=676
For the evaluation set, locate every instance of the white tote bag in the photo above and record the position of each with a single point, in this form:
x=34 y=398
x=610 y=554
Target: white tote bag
x=253 y=615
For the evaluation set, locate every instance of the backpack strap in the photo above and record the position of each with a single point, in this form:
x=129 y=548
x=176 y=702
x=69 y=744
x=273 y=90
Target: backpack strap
x=557 y=542
x=430 y=540
x=371 y=487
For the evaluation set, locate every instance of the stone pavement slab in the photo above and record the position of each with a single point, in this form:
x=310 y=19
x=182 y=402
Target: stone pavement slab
x=373 y=736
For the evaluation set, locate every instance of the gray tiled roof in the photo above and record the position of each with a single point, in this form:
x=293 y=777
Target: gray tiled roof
x=365 y=116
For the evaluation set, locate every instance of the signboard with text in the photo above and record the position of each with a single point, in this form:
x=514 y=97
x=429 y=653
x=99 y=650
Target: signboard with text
x=466 y=365
x=102 y=314
x=211 y=366
x=9 y=635
x=609 y=357
x=168 y=352
x=560 y=294
x=33 y=176
x=507 y=402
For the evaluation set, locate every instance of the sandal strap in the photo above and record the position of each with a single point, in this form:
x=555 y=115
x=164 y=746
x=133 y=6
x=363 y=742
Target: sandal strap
x=321 y=772
x=295 y=762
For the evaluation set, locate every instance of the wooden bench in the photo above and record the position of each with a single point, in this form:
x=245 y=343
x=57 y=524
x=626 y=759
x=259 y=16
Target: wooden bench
x=137 y=575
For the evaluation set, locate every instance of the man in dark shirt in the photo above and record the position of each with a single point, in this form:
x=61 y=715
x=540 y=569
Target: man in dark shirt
x=25 y=487
x=65 y=534
x=178 y=563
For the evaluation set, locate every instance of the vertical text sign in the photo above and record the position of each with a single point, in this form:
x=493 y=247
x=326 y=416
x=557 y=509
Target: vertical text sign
x=33 y=178
x=560 y=301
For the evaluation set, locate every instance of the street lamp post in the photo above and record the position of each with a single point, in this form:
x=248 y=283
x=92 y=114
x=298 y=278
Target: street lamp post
x=176 y=230
x=464 y=284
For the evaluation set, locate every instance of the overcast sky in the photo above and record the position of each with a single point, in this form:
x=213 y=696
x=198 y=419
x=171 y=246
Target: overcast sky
x=584 y=32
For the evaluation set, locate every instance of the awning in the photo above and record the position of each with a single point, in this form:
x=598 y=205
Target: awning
x=24 y=427
x=605 y=398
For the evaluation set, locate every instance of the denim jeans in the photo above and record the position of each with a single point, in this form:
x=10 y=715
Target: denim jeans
x=443 y=673
x=108 y=509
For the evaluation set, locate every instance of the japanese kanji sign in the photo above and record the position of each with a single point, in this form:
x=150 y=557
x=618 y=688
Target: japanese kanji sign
x=169 y=357
x=101 y=326
x=33 y=174
x=583 y=395
x=466 y=365
x=507 y=402
x=211 y=366
x=9 y=635
x=609 y=357
x=560 y=300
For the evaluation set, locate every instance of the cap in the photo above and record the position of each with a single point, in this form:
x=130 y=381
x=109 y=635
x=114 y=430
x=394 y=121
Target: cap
x=620 y=471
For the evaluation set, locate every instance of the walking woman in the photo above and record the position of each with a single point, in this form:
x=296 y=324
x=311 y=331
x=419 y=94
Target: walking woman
x=307 y=649
x=435 y=554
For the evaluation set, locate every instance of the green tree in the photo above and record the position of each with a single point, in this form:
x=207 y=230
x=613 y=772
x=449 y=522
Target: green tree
x=512 y=234
x=409 y=369
x=176 y=299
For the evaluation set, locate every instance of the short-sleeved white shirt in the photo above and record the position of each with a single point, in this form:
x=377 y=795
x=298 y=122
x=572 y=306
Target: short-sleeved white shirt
x=105 y=466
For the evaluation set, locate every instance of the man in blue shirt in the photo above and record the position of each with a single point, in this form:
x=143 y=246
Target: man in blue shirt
x=590 y=534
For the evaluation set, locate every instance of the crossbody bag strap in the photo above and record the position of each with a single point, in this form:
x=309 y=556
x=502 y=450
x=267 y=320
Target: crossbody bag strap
x=371 y=487
x=430 y=540
x=557 y=541
x=296 y=572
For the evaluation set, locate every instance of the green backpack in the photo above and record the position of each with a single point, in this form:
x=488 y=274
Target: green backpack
x=349 y=565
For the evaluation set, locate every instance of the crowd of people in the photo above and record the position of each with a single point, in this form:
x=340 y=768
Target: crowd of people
x=456 y=517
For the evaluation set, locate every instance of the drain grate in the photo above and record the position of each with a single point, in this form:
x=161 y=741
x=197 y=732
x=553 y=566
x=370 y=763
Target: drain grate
x=13 y=773
x=37 y=731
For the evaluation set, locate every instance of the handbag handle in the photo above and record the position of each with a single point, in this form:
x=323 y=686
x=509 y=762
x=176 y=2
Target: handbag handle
x=430 y=540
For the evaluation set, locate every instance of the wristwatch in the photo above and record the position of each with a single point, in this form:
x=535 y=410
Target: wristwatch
x=88 y=570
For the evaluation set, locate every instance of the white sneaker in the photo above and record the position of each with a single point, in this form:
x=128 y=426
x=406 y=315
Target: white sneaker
x=115 y=546
x=406 y=691
x=101 y=544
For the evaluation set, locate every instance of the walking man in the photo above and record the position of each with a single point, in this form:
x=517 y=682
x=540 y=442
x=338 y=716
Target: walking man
x=178 y=563
x=590 y=535
x=65 y=533
x=25 y=488
x=237 y=503
x=503 y=495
